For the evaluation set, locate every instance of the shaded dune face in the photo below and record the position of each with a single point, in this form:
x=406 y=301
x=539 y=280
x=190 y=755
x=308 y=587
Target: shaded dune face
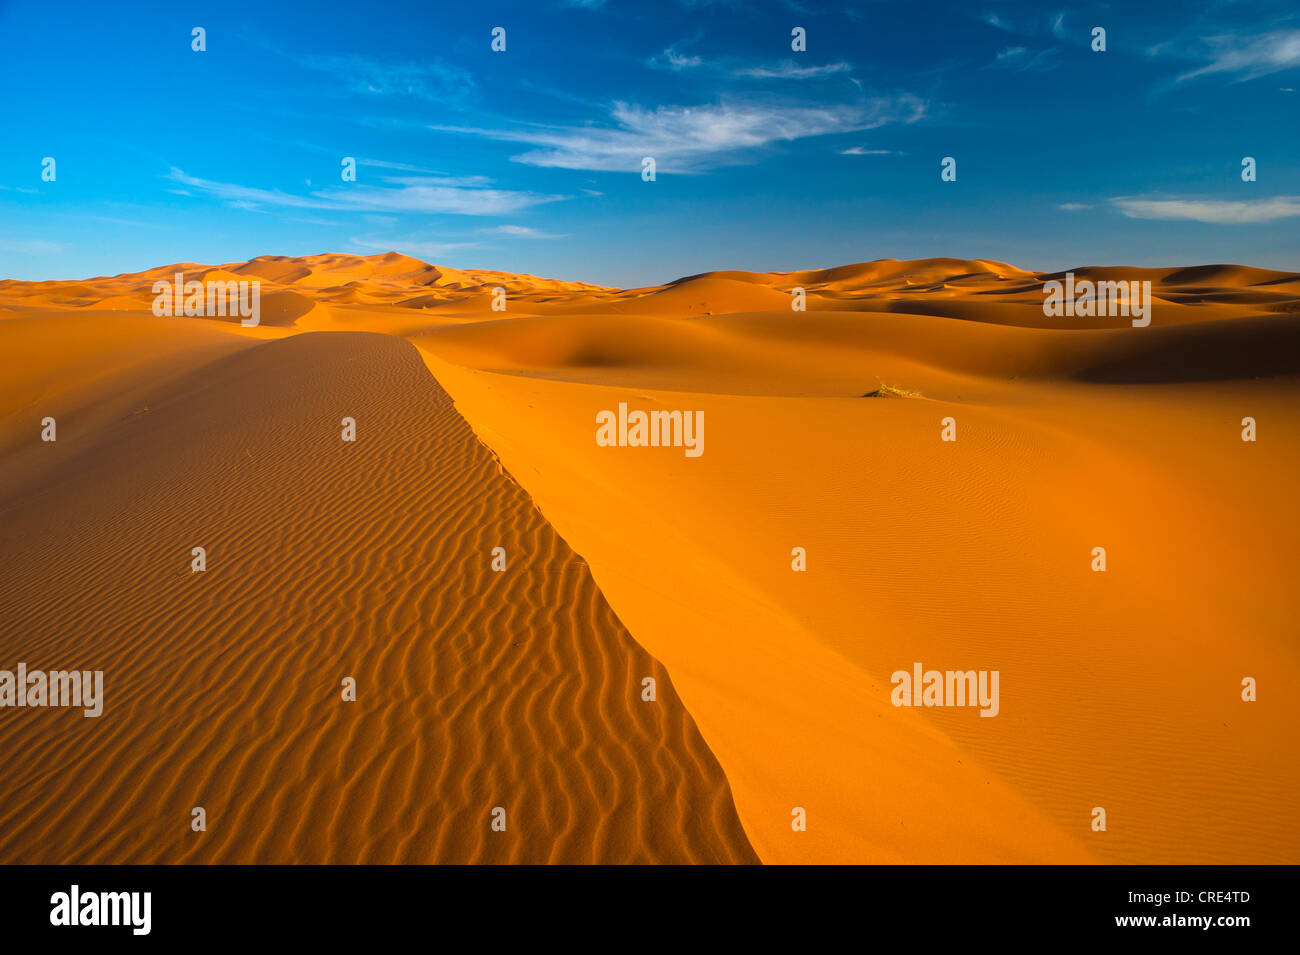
x=326 y=560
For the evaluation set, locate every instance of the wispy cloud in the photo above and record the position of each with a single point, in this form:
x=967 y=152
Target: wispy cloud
x=397 y=166
x=1026 y=23
x=312 y=220
x=1073 y=206
x=788 y=70
x=430 y=79
x=863 y=151
x=1242 y=56
x=1219 y=212
x=419 y=248
x=689 y=139
x=399 y=194
x=1020 y=59
x=31 y=246
x=673 y=59
x=524 y=232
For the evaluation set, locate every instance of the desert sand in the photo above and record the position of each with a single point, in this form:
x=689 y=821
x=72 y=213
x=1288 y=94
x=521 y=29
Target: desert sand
x=1120 y=689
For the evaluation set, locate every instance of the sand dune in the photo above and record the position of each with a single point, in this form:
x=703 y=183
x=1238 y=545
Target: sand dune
x=1120 y=689
x=476 y=689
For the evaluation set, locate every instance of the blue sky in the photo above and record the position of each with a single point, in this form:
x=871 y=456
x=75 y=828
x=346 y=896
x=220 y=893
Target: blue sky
x=530 y=160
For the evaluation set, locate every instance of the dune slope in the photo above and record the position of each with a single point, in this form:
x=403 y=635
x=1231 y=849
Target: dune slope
x=326 y=560
x=1121 y=688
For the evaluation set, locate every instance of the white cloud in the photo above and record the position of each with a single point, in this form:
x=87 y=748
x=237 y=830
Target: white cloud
x=397 y=166
x=1073 y=206
x=672 y=59
x=245 y=205
x=1242 y=56
x=788 y=70
x=862 y=151
x=31 y=246
x=1220 y=212
x=686 y=139
x=1020 y=59
x=524 y=232
x=415 y=247
x=399 y=194
x=430 y=79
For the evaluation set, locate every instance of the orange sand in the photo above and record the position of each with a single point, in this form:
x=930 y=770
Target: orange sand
x=223 y=688
x=1118 y=689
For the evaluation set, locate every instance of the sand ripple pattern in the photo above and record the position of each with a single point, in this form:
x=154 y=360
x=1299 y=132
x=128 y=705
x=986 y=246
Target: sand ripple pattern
x=326 y=559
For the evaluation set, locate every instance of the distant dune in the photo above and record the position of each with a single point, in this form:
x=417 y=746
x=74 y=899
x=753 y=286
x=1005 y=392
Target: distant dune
x=1120 y=690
